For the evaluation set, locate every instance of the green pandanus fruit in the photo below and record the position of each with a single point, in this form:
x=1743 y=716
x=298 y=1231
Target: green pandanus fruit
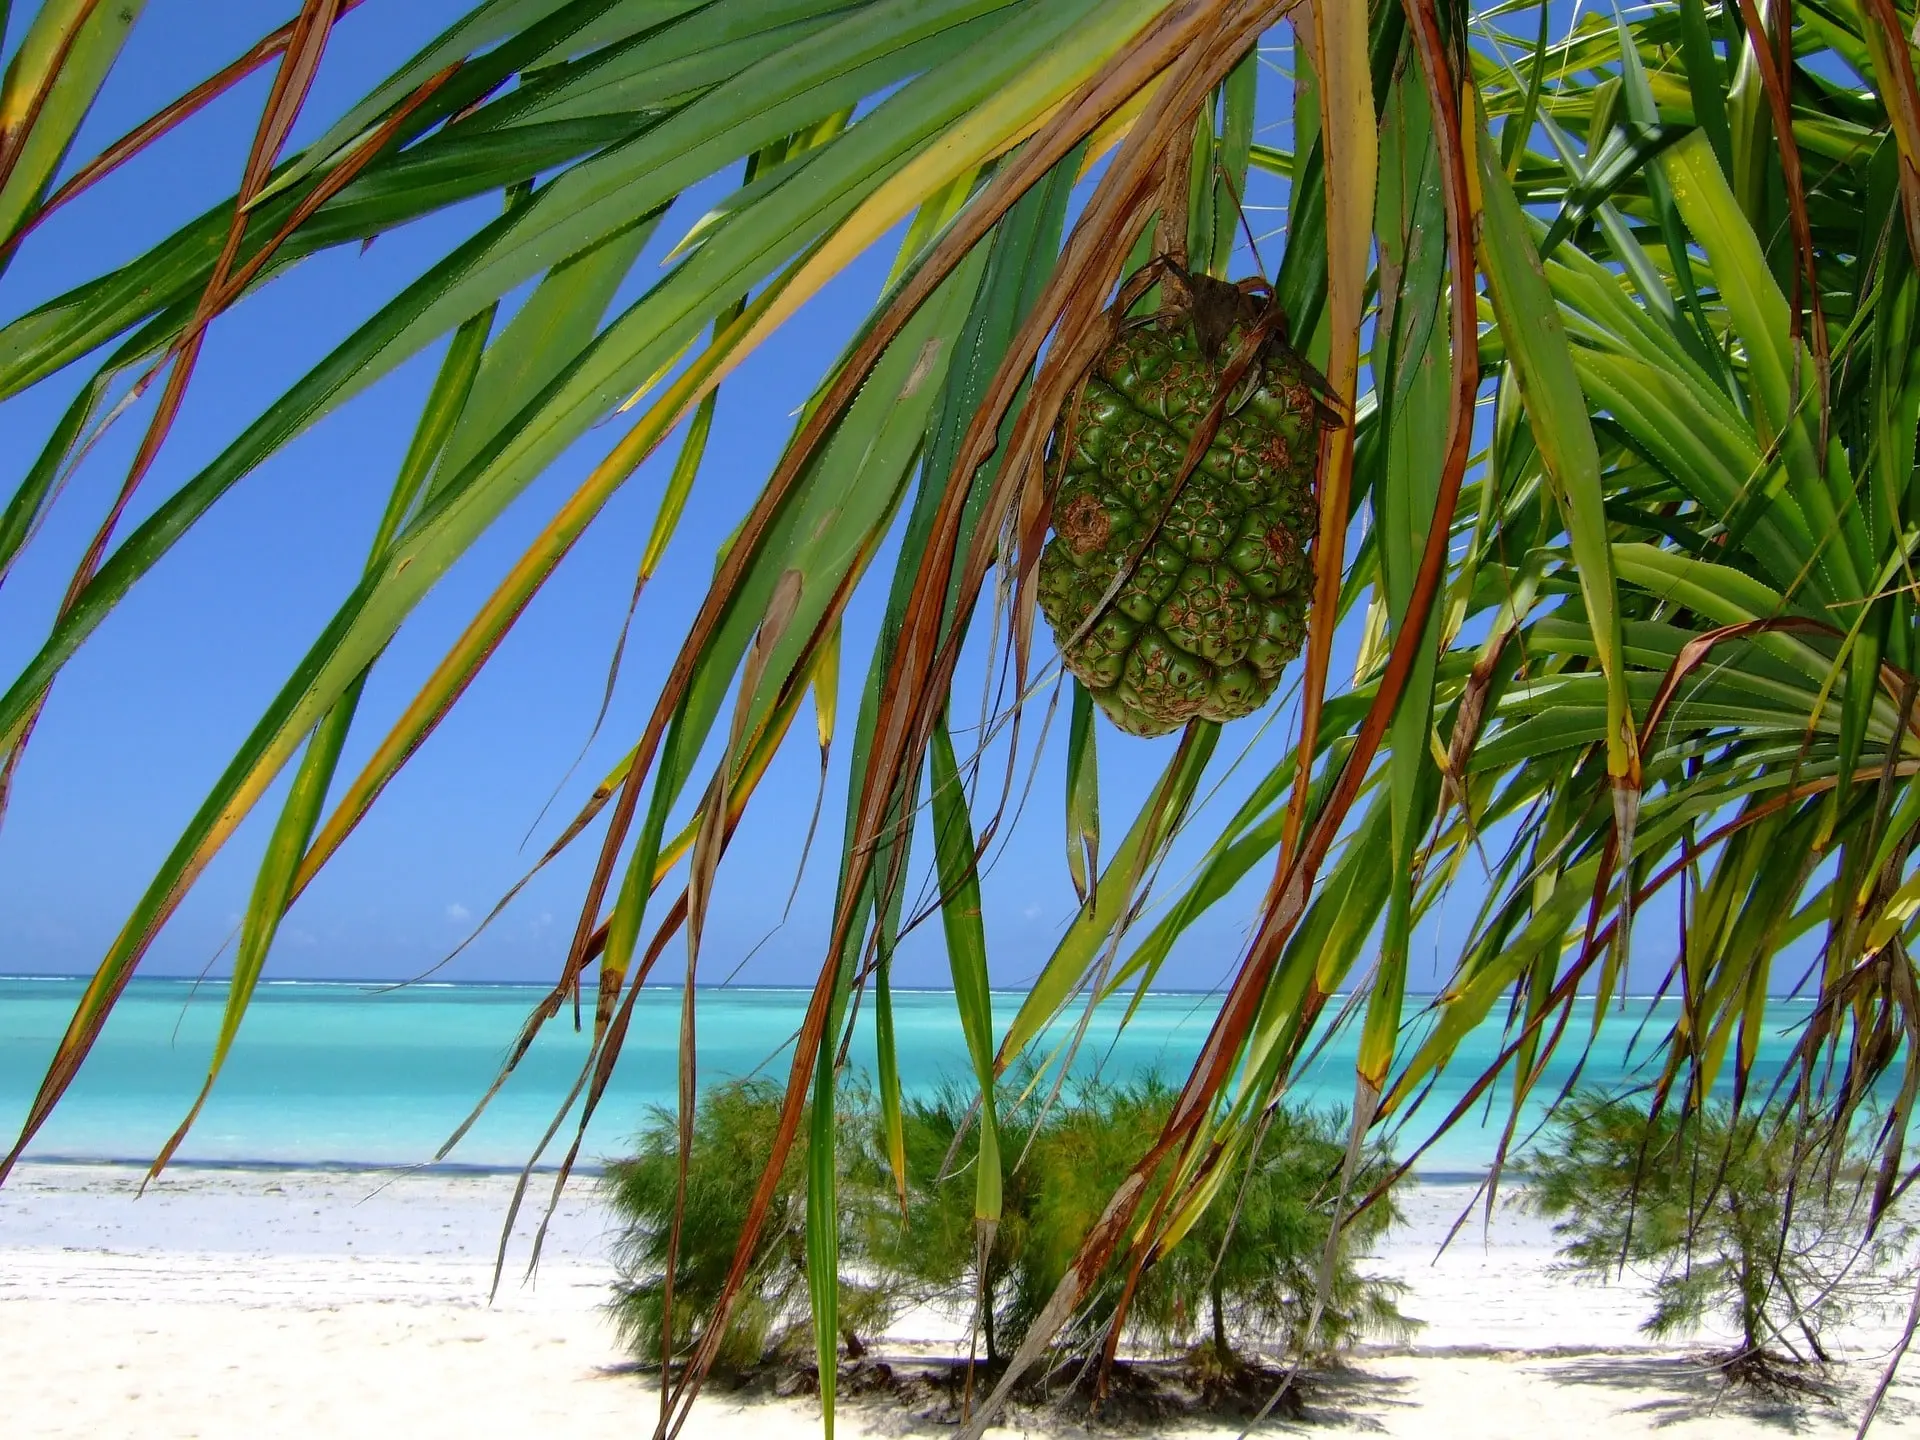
x=1174 y=598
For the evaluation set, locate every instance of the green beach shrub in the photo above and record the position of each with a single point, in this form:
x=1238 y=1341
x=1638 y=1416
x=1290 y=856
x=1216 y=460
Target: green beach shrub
x=1241 y=1280
x=1235 y=1282
x=1231 y=1289
x=1082 y=1153
x=734 y=1125
x=930 y=1249
x=1733 y=1220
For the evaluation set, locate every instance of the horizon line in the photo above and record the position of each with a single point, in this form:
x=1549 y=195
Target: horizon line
x=387 y=985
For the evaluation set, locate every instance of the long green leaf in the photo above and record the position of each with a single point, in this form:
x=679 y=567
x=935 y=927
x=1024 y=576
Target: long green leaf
x=965 y=931
x=50 y=86
x=1557 y=412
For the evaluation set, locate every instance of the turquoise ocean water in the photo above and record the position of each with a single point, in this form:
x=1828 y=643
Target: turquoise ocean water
x=332 y=1073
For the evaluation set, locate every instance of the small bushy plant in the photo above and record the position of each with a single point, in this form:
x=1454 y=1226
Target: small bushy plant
x=930 y=1249
x=1249 y=1280
x=1242 y=1278
x=1248 y=1285
x=734 y=1126
x=1732 y=1219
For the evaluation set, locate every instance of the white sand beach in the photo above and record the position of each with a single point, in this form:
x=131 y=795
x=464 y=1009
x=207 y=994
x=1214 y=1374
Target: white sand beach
x=314 y=1303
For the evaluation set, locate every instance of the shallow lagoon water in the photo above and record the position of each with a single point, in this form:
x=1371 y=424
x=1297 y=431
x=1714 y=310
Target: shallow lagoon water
x=348 y=1074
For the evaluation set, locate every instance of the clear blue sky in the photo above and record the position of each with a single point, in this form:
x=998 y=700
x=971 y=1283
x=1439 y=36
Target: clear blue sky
x=143 y=720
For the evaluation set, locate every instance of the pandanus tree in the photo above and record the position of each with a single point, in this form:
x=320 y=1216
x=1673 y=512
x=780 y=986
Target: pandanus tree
x=1647 y=632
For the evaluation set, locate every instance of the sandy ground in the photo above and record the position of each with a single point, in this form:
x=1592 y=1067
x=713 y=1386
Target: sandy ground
x=259 y=1303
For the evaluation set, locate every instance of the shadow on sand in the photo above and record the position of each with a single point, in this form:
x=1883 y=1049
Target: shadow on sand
x=1639 y=1391
x=1354 y=1399
x=1669 y=1389
x=918 y=1396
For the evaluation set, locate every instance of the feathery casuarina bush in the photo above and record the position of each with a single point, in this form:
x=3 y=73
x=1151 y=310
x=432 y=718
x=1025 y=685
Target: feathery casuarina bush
x=1241 y=1279
x=1740 y=1219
